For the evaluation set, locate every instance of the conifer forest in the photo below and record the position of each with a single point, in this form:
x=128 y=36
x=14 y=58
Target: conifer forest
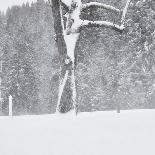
x=113 y=68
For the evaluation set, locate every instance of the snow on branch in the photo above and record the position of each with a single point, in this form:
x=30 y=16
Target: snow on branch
x=102 y=23
x=62 y=23
x=61 y=89
x=66 y=2
x=97 y=4
x=125 y=11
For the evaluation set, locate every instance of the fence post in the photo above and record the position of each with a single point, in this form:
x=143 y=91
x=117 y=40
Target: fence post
x=10 y=106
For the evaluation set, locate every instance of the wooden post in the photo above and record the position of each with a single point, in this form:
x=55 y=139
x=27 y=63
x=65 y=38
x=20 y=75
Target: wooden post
x=10 y=106
x=118 y=108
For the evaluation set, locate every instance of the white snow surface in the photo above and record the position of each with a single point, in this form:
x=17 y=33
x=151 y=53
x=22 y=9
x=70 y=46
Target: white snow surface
x=97 y=133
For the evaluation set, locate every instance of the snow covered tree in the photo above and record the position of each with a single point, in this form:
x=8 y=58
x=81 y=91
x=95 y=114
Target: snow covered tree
x=68 y=25
x=30 y=61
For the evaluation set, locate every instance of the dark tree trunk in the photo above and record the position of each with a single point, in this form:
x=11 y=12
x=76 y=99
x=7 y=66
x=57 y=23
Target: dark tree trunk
x=65 y=102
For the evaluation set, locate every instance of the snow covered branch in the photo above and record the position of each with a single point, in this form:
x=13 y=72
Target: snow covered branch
x=102 y=23
x=100 y=5
x=61 y=89
x=125 y=11
x=66 y=2
x=106 y=23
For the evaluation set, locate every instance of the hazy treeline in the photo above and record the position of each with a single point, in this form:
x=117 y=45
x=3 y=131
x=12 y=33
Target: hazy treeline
x=113 y=68
x=29 y=58
x=118 y=69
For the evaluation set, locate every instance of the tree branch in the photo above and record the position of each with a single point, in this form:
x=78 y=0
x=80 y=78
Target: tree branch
x=102 y=23
x=62 y=22
x=125 y=11
x=67 y=3
x=61 y=89
x=58 y=26
x=96 y=4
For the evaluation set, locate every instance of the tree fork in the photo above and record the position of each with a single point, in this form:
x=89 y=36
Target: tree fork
x=58 y=27
x=67 y=37
x=66 y=43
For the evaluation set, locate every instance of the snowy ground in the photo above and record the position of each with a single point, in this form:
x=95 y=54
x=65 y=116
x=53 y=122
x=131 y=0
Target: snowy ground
x=98 y=133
